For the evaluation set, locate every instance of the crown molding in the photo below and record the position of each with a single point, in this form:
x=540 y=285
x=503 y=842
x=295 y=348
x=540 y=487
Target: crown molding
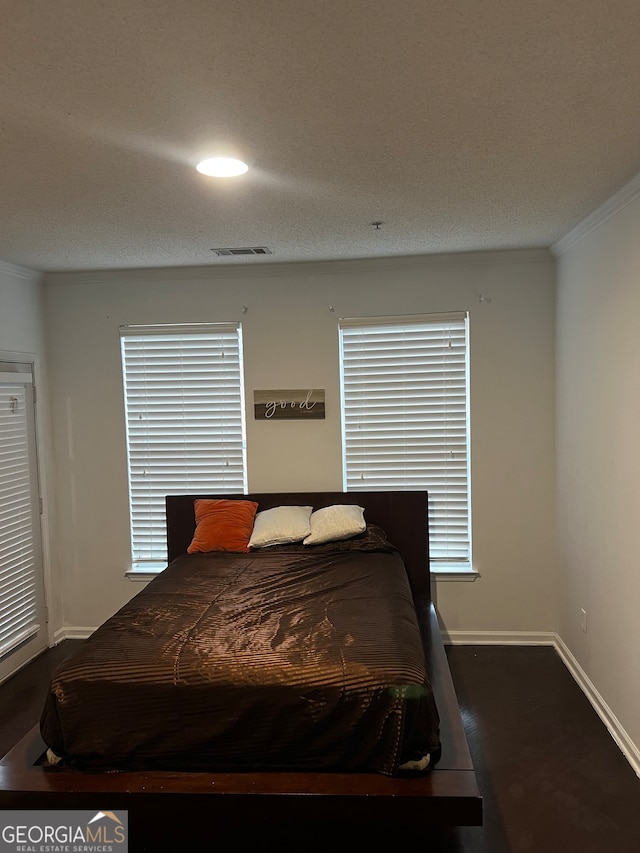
x=269 y=269
x=627 y=195
x=20 y=272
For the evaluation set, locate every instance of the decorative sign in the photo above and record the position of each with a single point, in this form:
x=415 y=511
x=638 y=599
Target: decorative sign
x=289 y=405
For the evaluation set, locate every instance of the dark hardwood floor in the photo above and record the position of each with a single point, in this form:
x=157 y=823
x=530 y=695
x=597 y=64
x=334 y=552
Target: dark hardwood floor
x=22 y=697
x=552 y=778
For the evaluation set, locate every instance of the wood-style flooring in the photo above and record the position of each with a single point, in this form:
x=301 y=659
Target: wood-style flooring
x=552 y=778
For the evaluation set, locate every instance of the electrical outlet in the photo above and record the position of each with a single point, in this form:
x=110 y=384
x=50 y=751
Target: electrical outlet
x=583 y=620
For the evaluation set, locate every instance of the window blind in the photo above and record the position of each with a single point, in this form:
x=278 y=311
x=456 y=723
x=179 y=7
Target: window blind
x=405 y=417
x=18 y=598
x=184 y=405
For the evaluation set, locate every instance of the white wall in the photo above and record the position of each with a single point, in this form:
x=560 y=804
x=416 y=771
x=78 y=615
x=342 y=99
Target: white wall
x=21 y=310
x=291 y=341
x=22 y=336
x=598 y=462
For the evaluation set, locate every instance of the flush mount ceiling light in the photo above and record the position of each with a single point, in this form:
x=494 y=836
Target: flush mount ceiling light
x=222 y=167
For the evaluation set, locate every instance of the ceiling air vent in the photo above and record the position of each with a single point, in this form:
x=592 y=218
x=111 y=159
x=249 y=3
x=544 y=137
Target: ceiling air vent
x=248 y=250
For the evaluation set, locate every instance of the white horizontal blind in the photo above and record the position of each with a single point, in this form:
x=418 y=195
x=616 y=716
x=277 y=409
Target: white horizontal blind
x=18 y=598
x=185 y=421
x=405 y=424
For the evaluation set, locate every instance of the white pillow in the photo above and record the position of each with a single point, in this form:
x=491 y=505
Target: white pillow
x=333 y=523
x=280 y=525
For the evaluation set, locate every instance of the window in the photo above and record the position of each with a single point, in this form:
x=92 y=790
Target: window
x=21 y=594
x=405 y=418
x=184 y=404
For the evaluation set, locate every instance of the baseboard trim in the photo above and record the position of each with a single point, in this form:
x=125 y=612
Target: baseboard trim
x=72 y=632
x=615 y=728
x=550 y=638
x=498 y=638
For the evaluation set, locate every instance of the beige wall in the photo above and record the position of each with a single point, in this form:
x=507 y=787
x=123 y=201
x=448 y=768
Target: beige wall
x=291 y=341
x=598 y=404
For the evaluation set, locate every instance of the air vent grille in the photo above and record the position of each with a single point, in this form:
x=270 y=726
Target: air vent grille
x=242 y=250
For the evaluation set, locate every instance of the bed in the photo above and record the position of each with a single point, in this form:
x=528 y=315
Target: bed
x=317 y=736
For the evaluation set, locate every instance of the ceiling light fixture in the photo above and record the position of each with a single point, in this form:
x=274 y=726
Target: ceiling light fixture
x=222 y=167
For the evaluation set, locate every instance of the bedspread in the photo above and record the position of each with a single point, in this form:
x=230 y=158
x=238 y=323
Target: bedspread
x=270 y=660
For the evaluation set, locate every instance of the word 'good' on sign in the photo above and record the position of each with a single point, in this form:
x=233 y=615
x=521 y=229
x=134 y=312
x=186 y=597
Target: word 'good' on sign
x=307 y=404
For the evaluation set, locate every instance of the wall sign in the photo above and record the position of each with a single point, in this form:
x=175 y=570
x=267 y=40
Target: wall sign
x=305 y=404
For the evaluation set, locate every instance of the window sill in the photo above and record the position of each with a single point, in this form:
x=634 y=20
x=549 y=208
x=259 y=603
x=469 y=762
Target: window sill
x=144 y=572
x=444 y=572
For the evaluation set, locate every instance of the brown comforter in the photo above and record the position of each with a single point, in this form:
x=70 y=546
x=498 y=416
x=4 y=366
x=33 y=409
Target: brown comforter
x=281 y=659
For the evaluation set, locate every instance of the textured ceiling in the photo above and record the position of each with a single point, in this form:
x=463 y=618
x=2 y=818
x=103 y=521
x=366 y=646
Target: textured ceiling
x=461 y=126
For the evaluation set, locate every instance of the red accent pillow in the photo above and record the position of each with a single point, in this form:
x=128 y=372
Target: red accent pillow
x=222 y=525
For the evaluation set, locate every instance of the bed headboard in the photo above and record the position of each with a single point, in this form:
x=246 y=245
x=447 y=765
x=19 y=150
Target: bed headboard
x=402 y=515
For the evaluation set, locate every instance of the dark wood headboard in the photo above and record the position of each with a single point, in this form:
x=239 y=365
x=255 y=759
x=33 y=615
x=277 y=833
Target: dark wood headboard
x=403 y=516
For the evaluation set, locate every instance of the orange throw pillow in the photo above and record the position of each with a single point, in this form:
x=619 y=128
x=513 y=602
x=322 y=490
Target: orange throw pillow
x=222 y=525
